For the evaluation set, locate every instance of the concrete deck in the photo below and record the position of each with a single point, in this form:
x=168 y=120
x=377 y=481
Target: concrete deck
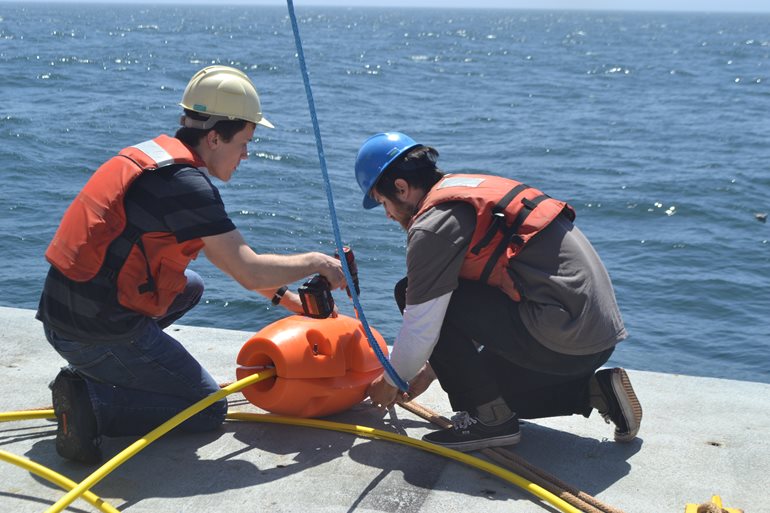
x=699 y=437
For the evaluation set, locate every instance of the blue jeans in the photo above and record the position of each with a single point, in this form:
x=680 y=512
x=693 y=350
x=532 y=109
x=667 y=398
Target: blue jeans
x=134 y=387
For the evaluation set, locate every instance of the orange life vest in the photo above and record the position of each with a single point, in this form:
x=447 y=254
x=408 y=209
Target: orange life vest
x=149 y=271
x=508 y=215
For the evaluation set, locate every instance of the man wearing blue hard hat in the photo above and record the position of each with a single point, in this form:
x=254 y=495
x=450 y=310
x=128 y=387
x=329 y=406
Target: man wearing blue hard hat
x=505 y=301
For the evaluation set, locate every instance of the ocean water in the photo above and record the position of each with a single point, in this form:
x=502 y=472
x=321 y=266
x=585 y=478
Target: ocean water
x=655 y=127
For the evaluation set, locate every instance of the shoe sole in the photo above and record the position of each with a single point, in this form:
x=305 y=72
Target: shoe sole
x=67 y=445
x=630 y=406
x=62 y=409
x=482 y=444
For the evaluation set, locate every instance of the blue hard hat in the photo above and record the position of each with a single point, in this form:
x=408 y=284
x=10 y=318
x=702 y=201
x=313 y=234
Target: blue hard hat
x=375 y=155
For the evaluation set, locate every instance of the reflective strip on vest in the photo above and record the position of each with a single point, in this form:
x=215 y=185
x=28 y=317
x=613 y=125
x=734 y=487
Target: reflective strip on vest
x=156 y=152
x=460 y=181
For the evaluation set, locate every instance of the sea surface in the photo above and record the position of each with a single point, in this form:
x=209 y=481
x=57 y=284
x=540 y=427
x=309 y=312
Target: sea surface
x=655 y=127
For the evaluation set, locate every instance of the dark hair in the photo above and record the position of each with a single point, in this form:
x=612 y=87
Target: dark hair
x=225 y=128
x=417 y=167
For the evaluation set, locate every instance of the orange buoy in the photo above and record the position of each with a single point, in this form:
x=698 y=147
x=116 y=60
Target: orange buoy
x=322 y=366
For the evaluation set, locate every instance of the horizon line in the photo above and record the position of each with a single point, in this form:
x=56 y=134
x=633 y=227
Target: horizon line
x=407 y=5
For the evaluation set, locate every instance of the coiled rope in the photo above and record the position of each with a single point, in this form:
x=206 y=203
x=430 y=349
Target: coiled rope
x=400 y=383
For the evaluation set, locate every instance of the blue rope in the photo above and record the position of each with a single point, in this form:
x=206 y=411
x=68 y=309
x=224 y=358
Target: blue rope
x=327 y=187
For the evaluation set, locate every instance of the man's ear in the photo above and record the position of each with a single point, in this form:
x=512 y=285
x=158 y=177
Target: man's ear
x=212 y=139
x=402 y=188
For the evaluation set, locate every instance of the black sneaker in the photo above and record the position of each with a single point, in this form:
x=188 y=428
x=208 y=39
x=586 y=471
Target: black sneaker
x=469 y=434
x=624 y=409
x=76 y=433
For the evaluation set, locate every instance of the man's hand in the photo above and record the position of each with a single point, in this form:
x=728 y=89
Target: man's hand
x=331 y=269
x=382 y=393
x=421 y=382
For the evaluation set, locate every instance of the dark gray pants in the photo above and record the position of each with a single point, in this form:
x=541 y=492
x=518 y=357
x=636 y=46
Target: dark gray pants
x=505 y=359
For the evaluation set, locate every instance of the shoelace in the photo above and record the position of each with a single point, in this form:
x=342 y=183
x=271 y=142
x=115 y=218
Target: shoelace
x=606 y=415
x=461 y=420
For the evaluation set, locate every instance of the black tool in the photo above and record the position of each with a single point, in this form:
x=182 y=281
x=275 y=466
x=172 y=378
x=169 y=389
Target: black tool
x=316 y=297
x=316 y=294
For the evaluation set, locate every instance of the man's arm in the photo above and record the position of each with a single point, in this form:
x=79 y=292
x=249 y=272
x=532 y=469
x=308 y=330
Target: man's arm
x=411 y=351
x=418 y=336
x=265 y=273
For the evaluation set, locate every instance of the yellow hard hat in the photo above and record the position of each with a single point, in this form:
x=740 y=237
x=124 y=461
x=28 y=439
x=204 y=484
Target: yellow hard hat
x=221 y=92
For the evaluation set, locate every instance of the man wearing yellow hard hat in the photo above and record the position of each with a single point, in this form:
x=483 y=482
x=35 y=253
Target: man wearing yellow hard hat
x=119 y=273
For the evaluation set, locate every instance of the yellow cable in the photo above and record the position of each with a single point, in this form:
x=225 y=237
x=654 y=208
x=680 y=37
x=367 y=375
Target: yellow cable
x=153 y=435
x=55 y=478
x=472 y=461
x=26 y=415
x=123 y=456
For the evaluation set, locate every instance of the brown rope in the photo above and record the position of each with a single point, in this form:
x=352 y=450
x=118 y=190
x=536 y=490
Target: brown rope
x=524 y=472
x=516 y=463
x=710 y=507
x=557 y=482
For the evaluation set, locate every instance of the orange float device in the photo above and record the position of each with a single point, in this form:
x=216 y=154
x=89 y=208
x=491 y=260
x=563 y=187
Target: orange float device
x=322 y=366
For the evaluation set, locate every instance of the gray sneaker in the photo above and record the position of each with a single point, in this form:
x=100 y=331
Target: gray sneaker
x=623 y=408
x=469 y=433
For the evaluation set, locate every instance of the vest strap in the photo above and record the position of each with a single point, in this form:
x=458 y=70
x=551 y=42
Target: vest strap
x=149 y=285
x=511 y=234
x=498 y=219
x=119 y=250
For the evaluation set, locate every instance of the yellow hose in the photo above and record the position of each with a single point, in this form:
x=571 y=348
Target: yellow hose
x=133 y=449
x=153 y=435
x=472 y=461
x=26 y=415
x=55 y=478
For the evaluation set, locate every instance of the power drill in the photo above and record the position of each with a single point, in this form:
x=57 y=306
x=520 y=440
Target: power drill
x=316 y=294
x=350 y=258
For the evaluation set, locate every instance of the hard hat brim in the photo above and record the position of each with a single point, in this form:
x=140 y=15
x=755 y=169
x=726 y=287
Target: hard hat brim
x=265 y=122
x=369 y=203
